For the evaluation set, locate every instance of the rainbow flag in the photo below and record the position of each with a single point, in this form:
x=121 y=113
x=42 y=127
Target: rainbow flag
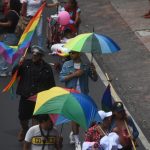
x=11 y=53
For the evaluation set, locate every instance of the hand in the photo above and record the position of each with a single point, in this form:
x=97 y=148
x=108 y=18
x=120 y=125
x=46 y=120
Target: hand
x=78 y=73
x=92 y=67
x=71 y=21
x=21 y=60
x=57 y=3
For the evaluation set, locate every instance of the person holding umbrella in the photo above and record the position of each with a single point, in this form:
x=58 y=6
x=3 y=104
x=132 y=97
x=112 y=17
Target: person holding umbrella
x=75 y=74
x=42 y=136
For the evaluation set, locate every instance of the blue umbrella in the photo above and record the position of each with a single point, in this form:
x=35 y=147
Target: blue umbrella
x=92 y=42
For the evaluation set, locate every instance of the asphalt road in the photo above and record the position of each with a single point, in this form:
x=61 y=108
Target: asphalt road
x=9 y=110
x=121 y=67
x=9 y=126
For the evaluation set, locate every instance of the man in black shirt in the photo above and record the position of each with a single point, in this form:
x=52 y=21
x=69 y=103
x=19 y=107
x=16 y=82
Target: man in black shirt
x=35 y=76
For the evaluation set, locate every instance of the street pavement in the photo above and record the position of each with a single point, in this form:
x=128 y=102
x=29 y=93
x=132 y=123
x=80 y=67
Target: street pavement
x=129 y=69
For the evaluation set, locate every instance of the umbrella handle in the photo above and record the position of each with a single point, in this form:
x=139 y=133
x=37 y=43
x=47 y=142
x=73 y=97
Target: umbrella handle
x=92 y=57
x=61 y=129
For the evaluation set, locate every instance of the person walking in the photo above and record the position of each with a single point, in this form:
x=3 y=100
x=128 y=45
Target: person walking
x=75 y=74
x=35 y=76
x=7 y=28
x=73 y=9
x=43 y=136
x=29 y=9
x=99 y=130
x=120 y=121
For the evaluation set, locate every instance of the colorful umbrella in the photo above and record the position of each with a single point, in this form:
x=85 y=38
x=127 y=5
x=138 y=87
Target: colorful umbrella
x=92 y=42
x=73 y=106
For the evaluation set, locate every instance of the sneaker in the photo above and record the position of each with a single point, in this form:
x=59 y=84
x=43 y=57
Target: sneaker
x=77 y=146
x=71 y=137
x=4 y=68
x=3 y=75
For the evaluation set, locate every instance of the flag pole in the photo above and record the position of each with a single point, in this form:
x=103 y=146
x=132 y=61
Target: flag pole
x=111 y=88
x=92 y=55
x=14 y=77
x=133 y=144
x=109 y=81
x=102 y=130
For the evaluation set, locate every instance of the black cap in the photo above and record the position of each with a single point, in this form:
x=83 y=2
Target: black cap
x=37 y=49
x=118 y=106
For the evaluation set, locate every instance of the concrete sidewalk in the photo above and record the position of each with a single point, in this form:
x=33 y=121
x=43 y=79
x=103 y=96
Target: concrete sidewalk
x=122 y=20
x=132 y=12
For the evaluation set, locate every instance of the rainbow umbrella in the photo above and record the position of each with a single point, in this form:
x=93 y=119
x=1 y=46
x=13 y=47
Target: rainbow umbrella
x=92 y=42
x=74 y=106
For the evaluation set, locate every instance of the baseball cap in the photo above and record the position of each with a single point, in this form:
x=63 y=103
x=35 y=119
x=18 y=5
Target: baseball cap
x=118 y=106
x=104 y=114
x=35 y=49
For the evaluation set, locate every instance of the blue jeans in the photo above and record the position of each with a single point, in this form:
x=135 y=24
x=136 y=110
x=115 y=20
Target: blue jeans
x=39 y=33
x=9 y=39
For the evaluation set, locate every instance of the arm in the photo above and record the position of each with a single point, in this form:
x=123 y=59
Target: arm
x=24 y=9
x=52 y=5
x=75 y=74
x=64 y=77
x=135 y=133
x=28 y=139
x=88 y=135
x=26 y=145
x=52 y=80
x=6 y=24
x=59 y=141
x=63 y=73
x=77 y=19
x=92 y=72
x=19 y=66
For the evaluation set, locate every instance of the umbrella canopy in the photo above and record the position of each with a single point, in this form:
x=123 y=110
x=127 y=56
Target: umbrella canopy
x=74 y=106
x=92 y=42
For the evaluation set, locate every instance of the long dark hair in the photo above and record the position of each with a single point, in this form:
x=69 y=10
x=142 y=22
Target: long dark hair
x=15 y=5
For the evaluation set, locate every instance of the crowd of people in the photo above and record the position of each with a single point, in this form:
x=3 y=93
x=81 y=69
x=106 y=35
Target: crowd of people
x=114 y=126
x=36 y=75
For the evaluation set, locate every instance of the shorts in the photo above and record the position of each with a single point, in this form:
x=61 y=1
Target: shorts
x=26 y=108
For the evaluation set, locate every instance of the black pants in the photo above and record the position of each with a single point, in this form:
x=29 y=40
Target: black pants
x=26 y=108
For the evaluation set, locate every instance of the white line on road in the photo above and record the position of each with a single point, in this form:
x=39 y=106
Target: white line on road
x=142 y=137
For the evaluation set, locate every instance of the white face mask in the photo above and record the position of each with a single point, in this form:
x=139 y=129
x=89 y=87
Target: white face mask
x=77 y=65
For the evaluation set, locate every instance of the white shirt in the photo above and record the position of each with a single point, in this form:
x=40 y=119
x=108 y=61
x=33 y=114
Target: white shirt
x=32 y=6
x=77 y=66
x=35 y=132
